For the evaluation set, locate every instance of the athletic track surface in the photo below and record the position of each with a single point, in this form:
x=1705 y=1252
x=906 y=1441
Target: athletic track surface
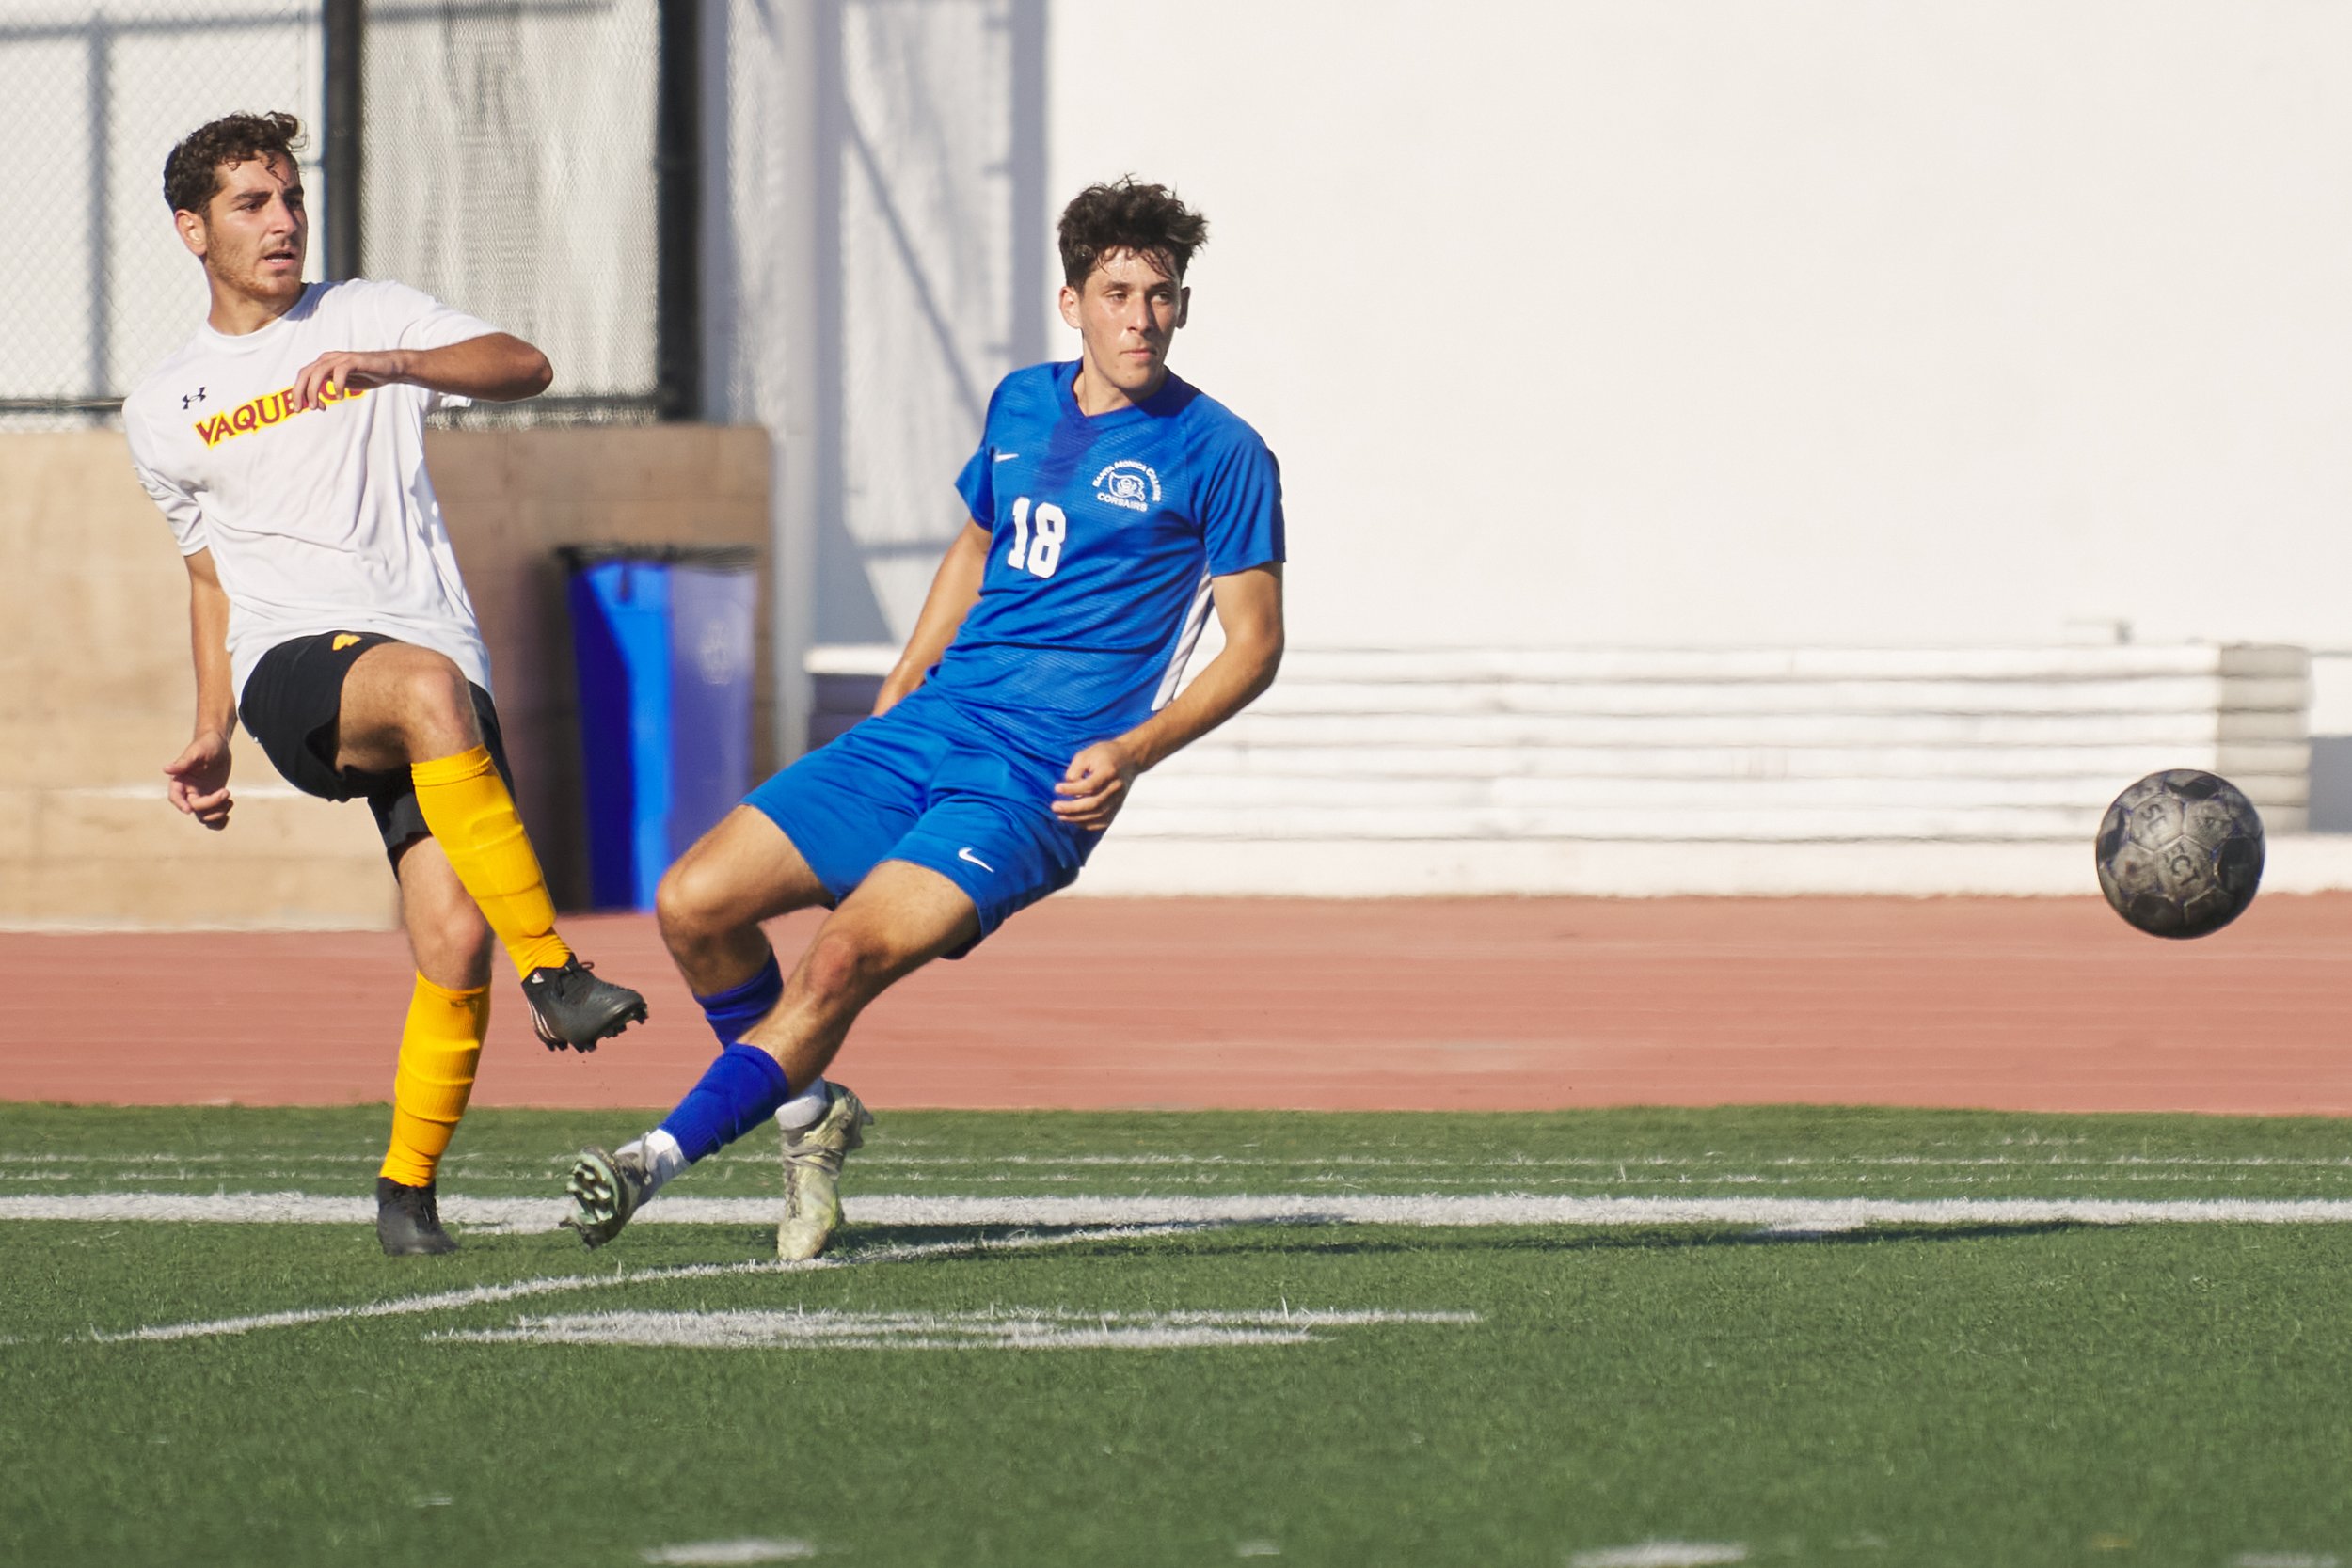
x=1458 y=1005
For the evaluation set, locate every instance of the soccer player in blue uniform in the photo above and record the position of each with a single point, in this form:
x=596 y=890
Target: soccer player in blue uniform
x=1111 y=507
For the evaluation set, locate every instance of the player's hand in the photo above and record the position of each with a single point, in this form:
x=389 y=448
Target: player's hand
x=1096 y=786
x=345 y=371
x=200 y=780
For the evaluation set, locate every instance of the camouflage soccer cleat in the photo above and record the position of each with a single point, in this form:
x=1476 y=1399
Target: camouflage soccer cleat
x=606 y=1189
x=571 y=1008
x=812 y=1171
x=408 y=1221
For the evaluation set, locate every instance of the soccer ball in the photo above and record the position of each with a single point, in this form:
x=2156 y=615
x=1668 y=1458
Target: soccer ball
x=2181 y=853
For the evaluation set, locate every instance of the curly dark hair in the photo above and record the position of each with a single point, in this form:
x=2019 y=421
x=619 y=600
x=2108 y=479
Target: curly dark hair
x=1147 y=220
x=192 y=173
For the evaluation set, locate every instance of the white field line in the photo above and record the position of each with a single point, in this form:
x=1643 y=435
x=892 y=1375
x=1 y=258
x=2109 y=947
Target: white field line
x=151 y=1158
x=1428 y=1209
x=1602 y=1161
x=1502 y=1177
x=1002 y=1329
x=729 y=1554
x=438 y=1301
x=1663 y=1553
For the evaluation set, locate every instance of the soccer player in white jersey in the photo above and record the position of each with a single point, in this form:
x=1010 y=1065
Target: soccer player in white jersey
x=1109 y=507
x=285 y=445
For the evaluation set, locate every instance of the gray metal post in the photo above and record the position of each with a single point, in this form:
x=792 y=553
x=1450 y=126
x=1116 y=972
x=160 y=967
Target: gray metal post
x=722 y=390
x=810 y=478
x=343 y=159
x=677 y=212
x=1034 y=272
x=102 y=287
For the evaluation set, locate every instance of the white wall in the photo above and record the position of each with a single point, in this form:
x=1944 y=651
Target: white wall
x=1817 y=322
x=877 y=197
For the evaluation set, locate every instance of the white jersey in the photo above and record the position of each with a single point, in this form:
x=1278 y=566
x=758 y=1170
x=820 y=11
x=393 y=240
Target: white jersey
x=323 y=520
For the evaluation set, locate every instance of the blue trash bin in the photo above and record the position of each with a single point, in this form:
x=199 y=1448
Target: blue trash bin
x=661 y=639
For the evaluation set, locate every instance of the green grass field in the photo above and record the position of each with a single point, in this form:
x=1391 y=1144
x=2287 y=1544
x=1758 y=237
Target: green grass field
x=1595 y=1340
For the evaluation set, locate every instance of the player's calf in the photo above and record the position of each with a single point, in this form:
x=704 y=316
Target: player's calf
x=440 y=1047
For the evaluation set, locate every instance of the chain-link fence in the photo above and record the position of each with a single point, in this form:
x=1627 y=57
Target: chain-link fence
x=94 y=286
x=506 y=163
x=509 y=169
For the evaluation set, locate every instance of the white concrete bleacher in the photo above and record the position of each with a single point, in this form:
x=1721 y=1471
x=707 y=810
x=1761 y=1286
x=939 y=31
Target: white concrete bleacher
x=1634 y=771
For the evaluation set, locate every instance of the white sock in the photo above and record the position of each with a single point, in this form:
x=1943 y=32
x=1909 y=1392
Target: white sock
x=805 y=1109
x=663 y=1160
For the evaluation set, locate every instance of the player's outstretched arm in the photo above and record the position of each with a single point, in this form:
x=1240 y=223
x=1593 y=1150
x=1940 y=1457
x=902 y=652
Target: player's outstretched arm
x=199 y=774
x=955 y=587
x=1249 y=612
x=497 y=366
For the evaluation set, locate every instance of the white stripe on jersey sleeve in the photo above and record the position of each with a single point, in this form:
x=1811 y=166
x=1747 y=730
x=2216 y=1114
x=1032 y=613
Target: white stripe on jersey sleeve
x=1194 y=619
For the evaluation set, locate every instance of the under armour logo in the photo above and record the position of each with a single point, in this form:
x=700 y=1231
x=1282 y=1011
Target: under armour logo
x=189 y=399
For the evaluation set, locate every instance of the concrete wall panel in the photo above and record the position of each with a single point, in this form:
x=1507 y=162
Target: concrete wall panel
x=95 y=687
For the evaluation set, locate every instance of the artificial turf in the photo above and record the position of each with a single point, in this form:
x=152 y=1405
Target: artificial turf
x=2028 y=1393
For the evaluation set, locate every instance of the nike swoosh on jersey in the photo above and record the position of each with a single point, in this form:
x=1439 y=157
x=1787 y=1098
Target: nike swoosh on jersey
x=1007 y=456
x=966 y=854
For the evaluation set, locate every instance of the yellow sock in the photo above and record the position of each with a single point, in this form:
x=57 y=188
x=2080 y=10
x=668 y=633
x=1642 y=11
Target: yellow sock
x=473 y=819
x=438 y=1052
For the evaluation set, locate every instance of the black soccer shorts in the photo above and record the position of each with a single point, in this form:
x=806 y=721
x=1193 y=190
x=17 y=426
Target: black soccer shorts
x=292 y=705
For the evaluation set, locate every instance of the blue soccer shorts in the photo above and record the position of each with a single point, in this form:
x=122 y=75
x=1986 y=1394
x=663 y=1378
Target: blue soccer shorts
x=929 y=785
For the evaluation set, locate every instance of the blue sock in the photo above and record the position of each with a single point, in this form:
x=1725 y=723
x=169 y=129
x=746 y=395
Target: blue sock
x=734 y=1010
x=742 y=1090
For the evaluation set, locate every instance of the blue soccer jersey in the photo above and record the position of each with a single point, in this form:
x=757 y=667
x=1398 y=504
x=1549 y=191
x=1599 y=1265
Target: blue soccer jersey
x=1105 y=530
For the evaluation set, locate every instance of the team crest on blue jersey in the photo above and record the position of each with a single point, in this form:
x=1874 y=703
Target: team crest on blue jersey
x=1128 y=484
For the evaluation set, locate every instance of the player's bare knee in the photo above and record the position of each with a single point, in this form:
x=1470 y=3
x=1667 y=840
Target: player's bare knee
x=841 y=967
x=452 y=944
x=685 y=906
x=439 y=718
x=471 y=960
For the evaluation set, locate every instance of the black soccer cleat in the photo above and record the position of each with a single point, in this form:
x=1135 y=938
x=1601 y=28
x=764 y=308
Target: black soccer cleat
x=408 y=1221
x=571 y=1008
